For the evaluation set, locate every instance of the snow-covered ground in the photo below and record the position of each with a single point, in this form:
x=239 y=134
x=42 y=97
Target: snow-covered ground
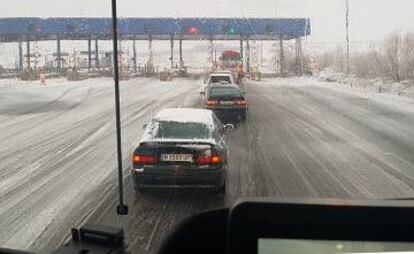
x=58 y=145
x=404 y=88
x=393 y=100
x=58 y=150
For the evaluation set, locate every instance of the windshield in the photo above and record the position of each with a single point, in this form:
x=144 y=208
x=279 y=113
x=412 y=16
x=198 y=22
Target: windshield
x=176 y=130
x=322 y=106
x=219 y=78
x=232 y=92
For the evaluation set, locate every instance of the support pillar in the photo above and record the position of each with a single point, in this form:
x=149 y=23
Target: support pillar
x=134 y=52
x=215 y=55
x=89 y=53
x=261 y=53
x=254 y=57
x=241 y=53
x=20 y=54
x=172 y=51
x=210 y=50
x=247 y=55
x=97 y=65
x=59 y=54
x=180 y=48
x=28 y=54
x=150 y=63
x=299 y=56
x=282 y=57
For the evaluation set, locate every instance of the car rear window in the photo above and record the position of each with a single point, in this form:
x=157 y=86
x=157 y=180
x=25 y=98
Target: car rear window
x=218 y=79
x=179 y=130
x=218 y=92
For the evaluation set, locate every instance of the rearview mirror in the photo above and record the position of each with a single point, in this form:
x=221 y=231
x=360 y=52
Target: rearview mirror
x=202 y=93
x=228 y=127
x=144 y=126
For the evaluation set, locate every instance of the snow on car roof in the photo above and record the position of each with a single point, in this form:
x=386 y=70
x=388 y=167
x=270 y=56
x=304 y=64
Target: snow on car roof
x=199 y=141
x=184 y=115
x=220 y=74
x=192 y=115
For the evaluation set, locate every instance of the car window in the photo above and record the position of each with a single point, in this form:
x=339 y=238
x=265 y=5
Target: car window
x=218 y=79
x=225 y=92
x=178 y=130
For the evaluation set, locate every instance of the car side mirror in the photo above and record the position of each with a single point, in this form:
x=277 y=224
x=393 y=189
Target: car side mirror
x=144 y=126
x=228 y=127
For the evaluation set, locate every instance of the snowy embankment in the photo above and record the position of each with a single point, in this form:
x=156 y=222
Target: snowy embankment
x=404 y=88
x=394 y=101
x=49 y=82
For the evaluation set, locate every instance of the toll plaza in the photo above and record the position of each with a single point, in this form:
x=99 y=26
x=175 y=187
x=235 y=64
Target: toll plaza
x=22 y=31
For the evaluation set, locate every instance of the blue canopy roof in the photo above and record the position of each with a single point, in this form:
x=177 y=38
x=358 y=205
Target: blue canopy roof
x=12 y=29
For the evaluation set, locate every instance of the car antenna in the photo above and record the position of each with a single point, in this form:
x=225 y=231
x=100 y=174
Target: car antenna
x=122 y=209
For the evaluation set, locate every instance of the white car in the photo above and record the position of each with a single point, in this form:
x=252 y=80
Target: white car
x=220 y=78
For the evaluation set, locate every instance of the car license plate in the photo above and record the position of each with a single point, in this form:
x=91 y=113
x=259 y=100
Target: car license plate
x=177 y=157
x=226 y=102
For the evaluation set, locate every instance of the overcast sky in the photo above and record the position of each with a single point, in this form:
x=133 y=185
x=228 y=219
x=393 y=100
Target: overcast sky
x=371 y=20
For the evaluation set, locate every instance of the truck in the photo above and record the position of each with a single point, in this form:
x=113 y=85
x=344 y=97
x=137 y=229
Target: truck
x=230 y=60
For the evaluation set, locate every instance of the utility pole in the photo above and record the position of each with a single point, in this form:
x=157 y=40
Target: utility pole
x=122 y=209
x=347 y=35
x=276 y=9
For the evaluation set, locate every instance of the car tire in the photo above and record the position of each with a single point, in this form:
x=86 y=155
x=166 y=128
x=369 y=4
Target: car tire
x=244 y=116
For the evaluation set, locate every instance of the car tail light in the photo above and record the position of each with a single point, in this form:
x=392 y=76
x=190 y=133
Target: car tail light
x=203 y=160
x=241 y=102
x=206 y=159
x=212 y=102
x=144 y=159
x=215 y=159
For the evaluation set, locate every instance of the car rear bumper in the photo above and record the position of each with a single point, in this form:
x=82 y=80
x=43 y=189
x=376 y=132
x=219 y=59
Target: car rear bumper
x=230 y=113
x=203 y=178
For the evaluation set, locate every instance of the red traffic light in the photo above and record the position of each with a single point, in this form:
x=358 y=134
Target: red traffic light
x=192 y=30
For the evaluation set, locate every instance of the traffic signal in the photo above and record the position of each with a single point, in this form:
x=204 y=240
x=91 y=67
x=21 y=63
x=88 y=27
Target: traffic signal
x=228 y=29
x=192 y=30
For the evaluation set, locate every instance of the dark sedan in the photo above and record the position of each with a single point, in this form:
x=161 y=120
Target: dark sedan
x=228 y=102
x=182 y=148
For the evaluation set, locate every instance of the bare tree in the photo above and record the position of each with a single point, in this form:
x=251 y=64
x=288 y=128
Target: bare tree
x=362 y=66
x=377 y=63
x=340 y=59
x=392 y=53
x=392 y=60
x=407 y=63
x=332 y=59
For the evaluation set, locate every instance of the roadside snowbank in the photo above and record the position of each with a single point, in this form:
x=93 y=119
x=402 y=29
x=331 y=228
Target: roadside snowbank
x=403 y=88
x=49 y=82
x=395 y=101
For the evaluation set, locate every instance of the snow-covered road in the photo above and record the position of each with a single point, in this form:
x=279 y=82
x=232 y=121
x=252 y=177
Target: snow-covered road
x=58 y=145
x=303 y=138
